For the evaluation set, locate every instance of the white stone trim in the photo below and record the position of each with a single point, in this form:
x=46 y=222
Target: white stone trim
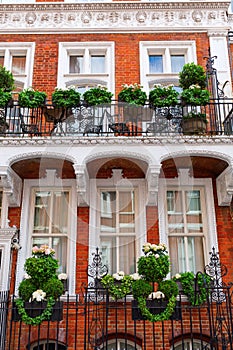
x=152 y=177
x=166 y=49
x=24 y=48
x=12 y=185
x=185 y=180
x=53 y=181
x=65 y=79
x=224 y=184
x=113 y=17
x=6 y=236
x=138 y=184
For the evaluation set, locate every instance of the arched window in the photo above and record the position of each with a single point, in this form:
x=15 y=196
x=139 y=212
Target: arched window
x=51 y=345
x=121 y=344
x=190 y=345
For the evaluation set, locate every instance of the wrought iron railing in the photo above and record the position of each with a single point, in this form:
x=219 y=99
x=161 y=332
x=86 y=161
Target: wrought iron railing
x=116 y=119
x=92 y=320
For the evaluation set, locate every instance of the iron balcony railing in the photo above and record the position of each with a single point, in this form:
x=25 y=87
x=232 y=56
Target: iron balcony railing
x=117 y=119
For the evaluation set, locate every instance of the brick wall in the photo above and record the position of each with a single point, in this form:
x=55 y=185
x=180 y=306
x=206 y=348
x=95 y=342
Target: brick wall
x=126 y=53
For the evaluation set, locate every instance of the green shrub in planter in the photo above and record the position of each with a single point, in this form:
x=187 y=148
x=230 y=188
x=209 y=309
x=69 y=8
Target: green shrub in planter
x=6 y=80
x=53 y=287
x=153 y=269
x=169 y=288
x=163 y=96
x=97 y=95
x=26 y=288
x=66 y=98
x=5 y=98
x=192 y=74
x=132 y=94
x=31 y=98
x=141 y=288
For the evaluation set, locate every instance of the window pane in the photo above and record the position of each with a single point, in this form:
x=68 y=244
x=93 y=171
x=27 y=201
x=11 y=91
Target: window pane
x=175 y=212
x=60 y=212
x=18 y=64
x=97 y=64
x=0 y=205
x=177 y=62
x=108 y=212
x=41 y=214
x=108 y=249
x=127 y=255
x=189 y=345
x=59 y=244
x=155 y=64
x=126 y=212
x=0 y=258
x=181 y=261
x=196 y=254
x=193 y=211
x=76 y=64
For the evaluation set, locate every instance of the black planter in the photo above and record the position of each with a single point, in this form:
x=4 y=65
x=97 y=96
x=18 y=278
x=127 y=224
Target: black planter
x=34 y=309
x=155 y=306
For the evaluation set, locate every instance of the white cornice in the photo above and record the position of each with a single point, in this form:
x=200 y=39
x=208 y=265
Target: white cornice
x=113 y=17
x=93 y=141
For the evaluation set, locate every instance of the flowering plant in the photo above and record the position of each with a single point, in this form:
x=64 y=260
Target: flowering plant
x=66 y=98
x=140 y=284
x=97 y=95
x=40 y=283
x=163 y=96
x=132 y=94
x=195 y=96
x=155 y=265
x=119 y=284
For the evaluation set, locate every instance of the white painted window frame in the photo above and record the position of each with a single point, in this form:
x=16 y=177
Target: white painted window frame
x=140 y=220
x=166 y=49
x=8 y=50
x=66 y=79
x=210 y=233
x=6 y=236
x=26 y=220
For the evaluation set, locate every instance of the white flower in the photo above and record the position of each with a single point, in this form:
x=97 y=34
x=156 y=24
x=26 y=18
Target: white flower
x=26 y=276
x=156 y=256
x=156 y=295
x=62 y=276
x=135 y=276
x=119 y=275
x=177 y=276
x=154 y=247
x=146 y=247
x=38 y=295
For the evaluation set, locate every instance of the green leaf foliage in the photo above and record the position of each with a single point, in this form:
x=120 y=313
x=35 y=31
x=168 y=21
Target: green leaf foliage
x=66 y=98
x=97 y=95
x=192 y=74
x=154 y=269
x=31 y=98
x=6 y=80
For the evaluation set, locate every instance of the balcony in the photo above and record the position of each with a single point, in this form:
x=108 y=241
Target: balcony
x=116 y=119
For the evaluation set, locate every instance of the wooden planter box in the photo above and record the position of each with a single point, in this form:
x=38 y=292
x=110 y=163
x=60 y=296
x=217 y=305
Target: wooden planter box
x=155 y=306
x=194 y=126
x=34 y=309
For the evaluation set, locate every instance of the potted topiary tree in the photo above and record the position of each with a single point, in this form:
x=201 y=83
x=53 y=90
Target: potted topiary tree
x=97 y=96
x=31 y=98
x=63 y=100
x=194 y=97
x=40 y=289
